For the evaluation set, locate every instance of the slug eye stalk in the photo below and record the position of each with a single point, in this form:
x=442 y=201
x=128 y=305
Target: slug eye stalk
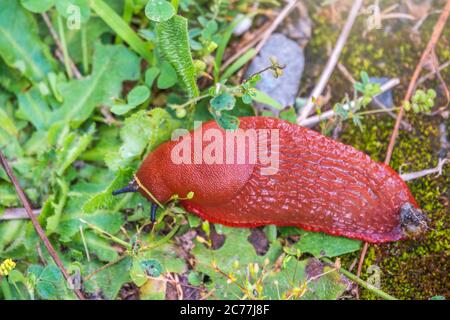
x=131 y=187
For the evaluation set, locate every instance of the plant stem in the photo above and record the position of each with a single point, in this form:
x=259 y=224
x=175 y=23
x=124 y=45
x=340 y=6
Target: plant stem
x=175 y=5
x=65 y=52
x=107 y=234
x=361 y=282
x=163 y=240
x=84 y=50
x=6 y=288
x=36 y=225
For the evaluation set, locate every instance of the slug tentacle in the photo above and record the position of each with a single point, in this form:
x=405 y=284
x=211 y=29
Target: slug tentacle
x=131 y=187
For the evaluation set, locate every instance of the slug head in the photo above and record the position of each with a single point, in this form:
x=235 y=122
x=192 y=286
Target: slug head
x=413 y=220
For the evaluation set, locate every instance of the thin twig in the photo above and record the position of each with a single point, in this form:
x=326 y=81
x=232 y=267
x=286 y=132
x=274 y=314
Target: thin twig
x=332 y=61
x=283 y=14
x=120 y=258
x=350 y=78
x=262 y=37
x=422 y=173
x=311 y=121
x=60 y=47
x=17 y=213
x=35 y=223
x=412 y=85
x=432 y=73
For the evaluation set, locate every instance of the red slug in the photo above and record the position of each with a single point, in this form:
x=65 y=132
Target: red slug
x=299 y=178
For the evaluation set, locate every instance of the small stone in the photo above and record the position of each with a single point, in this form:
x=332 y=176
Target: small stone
x=287 y=52
x=243 y=26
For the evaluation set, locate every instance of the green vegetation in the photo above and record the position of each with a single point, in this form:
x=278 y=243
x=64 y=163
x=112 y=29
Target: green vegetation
x=76 y=125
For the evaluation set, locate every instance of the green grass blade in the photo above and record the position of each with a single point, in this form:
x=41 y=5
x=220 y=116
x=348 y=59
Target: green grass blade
x=115 y=22
x=239 y=63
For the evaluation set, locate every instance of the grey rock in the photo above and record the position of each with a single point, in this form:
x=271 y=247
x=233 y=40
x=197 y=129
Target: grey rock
x=385 y=98
x=285 y=88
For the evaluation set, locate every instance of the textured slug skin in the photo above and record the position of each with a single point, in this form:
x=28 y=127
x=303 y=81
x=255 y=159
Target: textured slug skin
x=320 y=185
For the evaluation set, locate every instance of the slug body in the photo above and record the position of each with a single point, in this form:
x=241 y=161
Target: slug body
x=316 y=183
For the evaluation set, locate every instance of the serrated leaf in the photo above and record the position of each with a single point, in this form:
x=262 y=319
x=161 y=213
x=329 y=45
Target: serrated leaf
x=105 y=199
x=159 y=10
x=21 y=50
x=174 y=45
x=72 y=147
x=100 y=247
x=113 y=64
x=142 y=130
x=108 y=281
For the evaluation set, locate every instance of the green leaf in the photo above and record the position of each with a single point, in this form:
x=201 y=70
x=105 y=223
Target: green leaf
x=137 y=96
x=150 y=76
x=168 y=76
x=49 y=281
x=226 y=121
x=113 y=64
x=223 y=44
x=72 y=147
x=195 y=278
x=264 y=98
x=141 y=130
x=115 y=22
x=289 y=114
x=232 y=258
x=236 y=258
x=20 y=45
x=239 y=63
x=155 y=262
x=68 y=8
x=320 y=282
x=35 y=109
x=8 y=123
x=109 y=280
x=105 y=199
x=174 y=45
x=159 y=10
x=224 y=101
x=100 y=247
x=322 y=245
x=37 y=6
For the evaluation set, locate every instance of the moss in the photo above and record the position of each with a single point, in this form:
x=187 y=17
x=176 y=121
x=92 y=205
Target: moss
x=413 y=269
